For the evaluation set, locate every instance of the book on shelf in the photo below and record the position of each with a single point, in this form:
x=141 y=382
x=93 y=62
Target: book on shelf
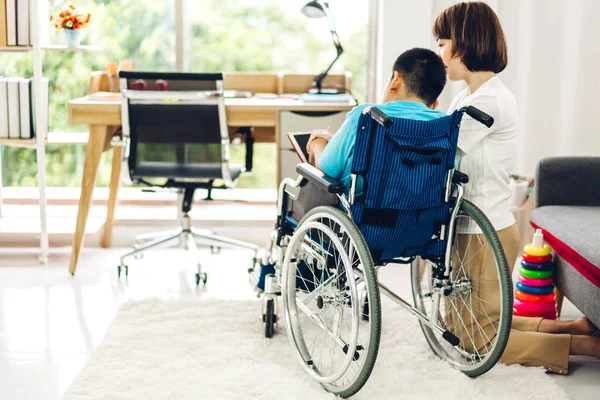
x=14 y=23
x=14 y=118
x=3 y=38
x=11 y=22
x=25 y=108
x=3 y=107
x=22 y=22
x=18 y=108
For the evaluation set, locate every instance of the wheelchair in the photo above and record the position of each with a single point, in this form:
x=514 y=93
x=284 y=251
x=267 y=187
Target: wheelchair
x=326 y=247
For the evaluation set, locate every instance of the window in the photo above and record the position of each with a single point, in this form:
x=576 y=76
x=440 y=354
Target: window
x=224 y=35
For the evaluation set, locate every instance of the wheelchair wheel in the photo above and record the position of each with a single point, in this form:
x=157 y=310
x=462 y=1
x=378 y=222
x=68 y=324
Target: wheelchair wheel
x=478 y=309
x=328 y=276
x=270 y=318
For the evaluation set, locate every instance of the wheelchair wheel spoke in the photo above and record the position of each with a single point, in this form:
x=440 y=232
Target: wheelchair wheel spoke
x=477 y=309
x=323 y=299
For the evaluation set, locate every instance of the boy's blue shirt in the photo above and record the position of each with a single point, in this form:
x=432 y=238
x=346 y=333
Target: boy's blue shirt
x=336 y=158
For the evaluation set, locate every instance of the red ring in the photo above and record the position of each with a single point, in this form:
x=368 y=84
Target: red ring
x=545 y=315
x=537 y=259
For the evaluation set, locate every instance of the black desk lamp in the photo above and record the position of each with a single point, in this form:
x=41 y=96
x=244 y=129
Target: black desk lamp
x=319 y=9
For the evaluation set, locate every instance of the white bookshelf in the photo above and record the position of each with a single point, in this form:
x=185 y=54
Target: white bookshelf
x=37 y=9
x=16 y=49
x=38 y=20
x=53 y=138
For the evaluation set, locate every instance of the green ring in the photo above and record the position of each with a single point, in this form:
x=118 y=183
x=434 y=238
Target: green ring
x=527 y=273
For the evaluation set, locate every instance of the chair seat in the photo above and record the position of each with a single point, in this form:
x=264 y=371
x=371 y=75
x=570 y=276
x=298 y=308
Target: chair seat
x=179 y=171
x=571 y=231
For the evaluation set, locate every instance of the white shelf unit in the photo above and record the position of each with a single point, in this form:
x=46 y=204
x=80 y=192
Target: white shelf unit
x=38 y=18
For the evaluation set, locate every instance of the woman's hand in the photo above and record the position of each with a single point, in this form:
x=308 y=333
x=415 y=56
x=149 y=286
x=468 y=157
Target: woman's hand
x=325 y=134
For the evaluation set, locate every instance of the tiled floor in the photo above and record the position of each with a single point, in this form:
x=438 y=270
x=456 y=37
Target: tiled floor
x=51 y=322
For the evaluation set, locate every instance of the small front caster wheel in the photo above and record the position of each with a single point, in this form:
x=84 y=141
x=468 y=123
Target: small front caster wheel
x=270 y=318
x=201 y=276
x=123 y=268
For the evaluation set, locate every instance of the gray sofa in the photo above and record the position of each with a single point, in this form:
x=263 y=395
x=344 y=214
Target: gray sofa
x=568 y=211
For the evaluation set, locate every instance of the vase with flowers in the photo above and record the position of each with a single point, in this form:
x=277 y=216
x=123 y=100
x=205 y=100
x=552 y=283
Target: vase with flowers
x=71 y=21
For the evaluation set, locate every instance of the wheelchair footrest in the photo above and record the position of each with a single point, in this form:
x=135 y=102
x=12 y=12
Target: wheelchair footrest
x=450 y=338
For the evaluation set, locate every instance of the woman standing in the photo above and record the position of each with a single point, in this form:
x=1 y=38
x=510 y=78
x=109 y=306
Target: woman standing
x=473 y=48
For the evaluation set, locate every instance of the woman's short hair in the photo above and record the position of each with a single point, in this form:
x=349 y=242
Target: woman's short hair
x=476 y=34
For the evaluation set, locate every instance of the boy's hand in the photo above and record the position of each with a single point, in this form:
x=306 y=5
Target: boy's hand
x=325 y=134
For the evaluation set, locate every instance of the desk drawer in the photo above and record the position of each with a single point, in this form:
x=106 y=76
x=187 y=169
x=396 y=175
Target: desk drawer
x=293 y=121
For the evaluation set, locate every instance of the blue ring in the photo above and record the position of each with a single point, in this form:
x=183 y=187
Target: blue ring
x=537 y=267
x=535 y=289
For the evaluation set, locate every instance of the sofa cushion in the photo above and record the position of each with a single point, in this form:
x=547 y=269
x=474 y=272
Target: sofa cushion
x=573 y=232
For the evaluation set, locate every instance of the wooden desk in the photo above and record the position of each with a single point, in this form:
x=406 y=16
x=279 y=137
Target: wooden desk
x=262 y=114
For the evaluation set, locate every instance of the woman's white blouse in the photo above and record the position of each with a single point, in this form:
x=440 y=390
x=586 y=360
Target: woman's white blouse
x=487 y=154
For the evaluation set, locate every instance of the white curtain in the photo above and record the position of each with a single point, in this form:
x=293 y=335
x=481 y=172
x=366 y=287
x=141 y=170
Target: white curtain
x=553 y=68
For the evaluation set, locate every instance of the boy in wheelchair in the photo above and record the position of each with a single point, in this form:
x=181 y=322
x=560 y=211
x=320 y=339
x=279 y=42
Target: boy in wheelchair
x=417 y=79
x=384 y=190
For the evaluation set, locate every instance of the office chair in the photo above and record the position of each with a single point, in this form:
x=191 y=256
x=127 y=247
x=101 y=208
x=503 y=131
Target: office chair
x=175 y=136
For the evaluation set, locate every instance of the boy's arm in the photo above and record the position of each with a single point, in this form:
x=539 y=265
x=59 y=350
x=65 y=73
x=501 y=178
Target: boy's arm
x=333 y=158
x=317 y=147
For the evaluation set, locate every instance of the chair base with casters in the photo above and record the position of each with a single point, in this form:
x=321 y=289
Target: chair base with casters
x=326 y=248
x=186 y=236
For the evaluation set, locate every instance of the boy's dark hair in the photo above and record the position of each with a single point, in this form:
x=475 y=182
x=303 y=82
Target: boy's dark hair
x=476 y=34
x=423 y=72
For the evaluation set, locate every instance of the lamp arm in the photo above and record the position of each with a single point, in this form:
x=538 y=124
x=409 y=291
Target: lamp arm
x=334 y=35
x=318 y=81
x=338 y=47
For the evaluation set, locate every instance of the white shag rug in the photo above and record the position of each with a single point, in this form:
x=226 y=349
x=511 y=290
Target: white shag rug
x=215 y=349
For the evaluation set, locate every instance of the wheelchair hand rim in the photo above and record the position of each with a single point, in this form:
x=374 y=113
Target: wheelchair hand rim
x=292 y=247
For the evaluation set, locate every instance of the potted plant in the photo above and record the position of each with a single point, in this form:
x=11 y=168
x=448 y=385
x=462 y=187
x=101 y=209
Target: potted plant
x=71 y=20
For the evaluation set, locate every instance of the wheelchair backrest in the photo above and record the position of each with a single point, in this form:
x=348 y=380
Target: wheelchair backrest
x=406 y=166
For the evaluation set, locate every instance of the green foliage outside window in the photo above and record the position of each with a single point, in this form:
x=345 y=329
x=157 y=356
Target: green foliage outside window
x=225 y=35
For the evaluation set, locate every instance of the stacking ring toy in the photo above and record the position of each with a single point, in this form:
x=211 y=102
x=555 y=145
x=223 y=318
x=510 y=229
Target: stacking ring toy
x=545 y=315
x=537 y=267
x=533 y=298
x=536 y=259
x=534 y=307
x=534 y=251
x=539 y=290
x=535 y=274
x=535 y=282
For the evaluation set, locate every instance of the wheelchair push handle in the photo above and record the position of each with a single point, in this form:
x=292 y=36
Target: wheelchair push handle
x=379 y=116
x=480 y=116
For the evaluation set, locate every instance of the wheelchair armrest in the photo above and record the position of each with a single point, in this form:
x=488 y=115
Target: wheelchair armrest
x=320 y=179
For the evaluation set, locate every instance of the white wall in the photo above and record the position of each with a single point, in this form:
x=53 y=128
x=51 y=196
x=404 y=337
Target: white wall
x=553 y=68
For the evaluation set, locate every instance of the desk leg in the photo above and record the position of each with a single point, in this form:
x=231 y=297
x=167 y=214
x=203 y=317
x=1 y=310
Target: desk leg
x=93 y=152
x=115 y=182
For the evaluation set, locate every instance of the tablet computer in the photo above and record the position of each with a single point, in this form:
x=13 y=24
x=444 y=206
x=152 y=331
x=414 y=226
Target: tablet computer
x=299 y=141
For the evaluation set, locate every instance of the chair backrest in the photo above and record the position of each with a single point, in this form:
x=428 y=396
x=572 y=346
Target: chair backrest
x=406 y=167
x=175 y=120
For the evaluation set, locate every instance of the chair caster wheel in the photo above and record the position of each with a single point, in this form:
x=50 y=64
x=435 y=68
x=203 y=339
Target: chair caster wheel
x=124 y=268
x=201 y=277
x=137 y=256
x=215 y=249
x=270 y=319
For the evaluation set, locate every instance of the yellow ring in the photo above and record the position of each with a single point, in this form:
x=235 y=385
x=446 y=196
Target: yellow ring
x=538 y=252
